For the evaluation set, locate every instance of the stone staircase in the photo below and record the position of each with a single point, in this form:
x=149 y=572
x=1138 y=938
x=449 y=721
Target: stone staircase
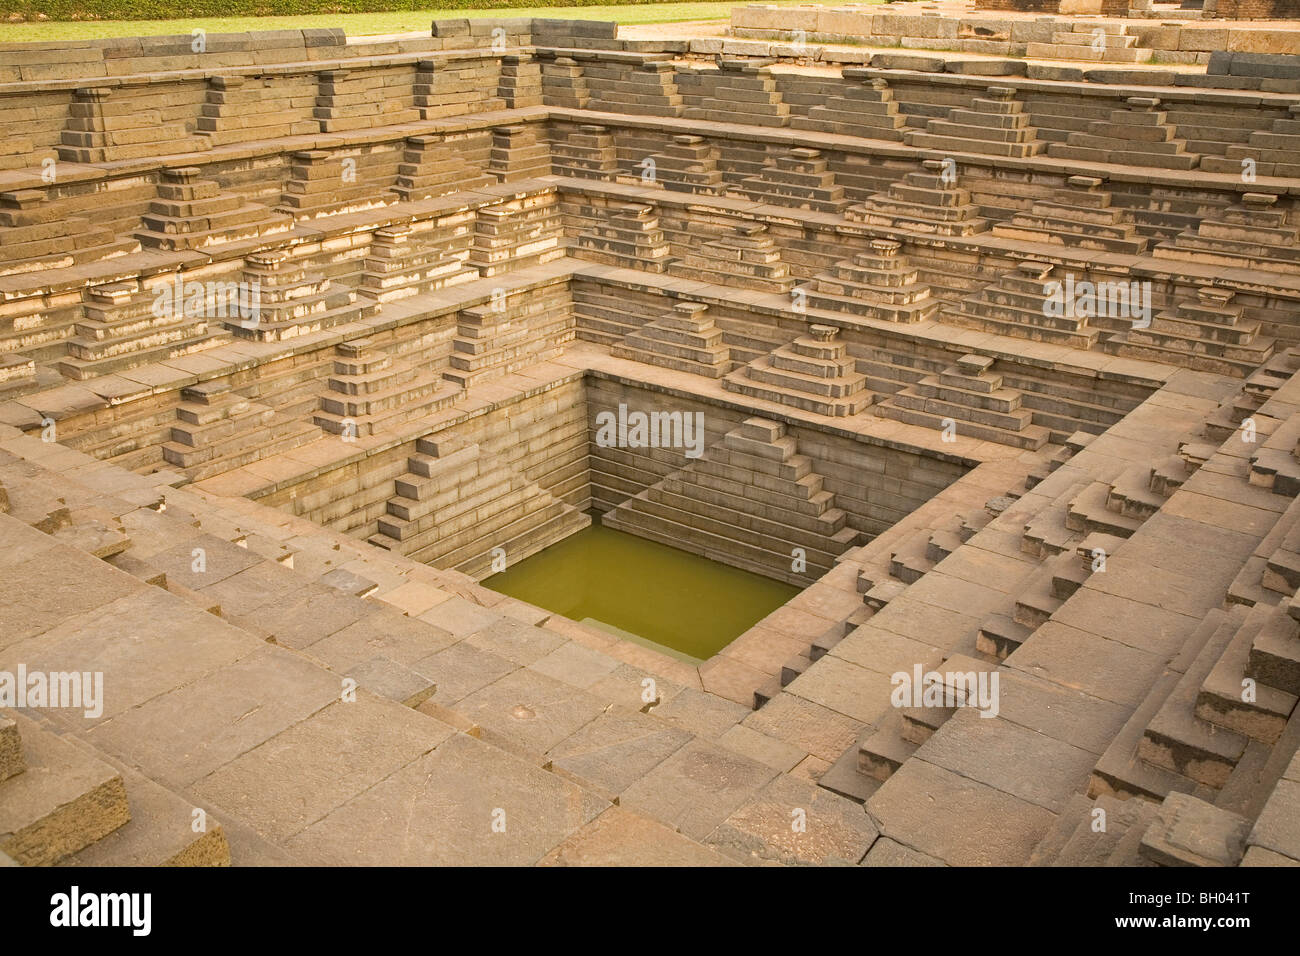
x=218 y=429
x=1097 y=42
x=40 y=234
x=1020 y=304
x=800 y=179
x=355 y=99
x=291 y=299
x=325 y=182
x=192 y=213
x=1272 y=152
x=106 y=124
x=1081 y=215
x=517 y=330
x=1138 y=135
x=868 y=111
x=741 y=254
x=995 y=125
x=516 y=233
x=814 y=373
x=519 y=153
x=689 y=164
x=240 y=109
x=124 y=327
x=454 y=507
x=880 y=284
x=927 y=202
x=64 y=802
x=371 y=392
x=752 y=501
x=1207 y=332
x=739 y=91
x=1252 y=233
x=629 y=237
x=520 y=83
x=684 y=339
x=641 y=84
x=403 y=263
x=564 y=82
x=437 y=164
x=967 y=398
x=585 y=152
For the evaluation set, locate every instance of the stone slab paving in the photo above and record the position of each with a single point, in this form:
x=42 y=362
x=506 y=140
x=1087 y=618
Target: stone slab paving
x=463 y=804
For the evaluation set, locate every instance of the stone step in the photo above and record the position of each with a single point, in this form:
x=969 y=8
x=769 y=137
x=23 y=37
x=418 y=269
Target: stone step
x=1088 y=512
x=159 y=833
x=63 y=801
x=1177 y=740
x=1077 y=808
x=1228 y=699
x=885 y=750
x=1189 y=831
x=11 y=749
x=1275 y=652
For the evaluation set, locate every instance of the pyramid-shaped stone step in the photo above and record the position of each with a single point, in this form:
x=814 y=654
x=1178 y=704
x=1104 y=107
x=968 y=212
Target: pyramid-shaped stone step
x=434 y=165
x=644 y=88
x=369 y=392
x=879 y=284
x=684 y=339
x=800 y=179
x=240 y=109
x=1251 y=232
x=521 y=329
x=1131 y=495
x=885 y=749
x=1027 y=303
x=1121 y=770
x=331 y=182
x=1080 y=215
x=399 y=266
x=928 y=201
x=518 y=153
x=1138 y=135
x=1177 y=740
x=742 y=255
x=867 y=111
x=689 y=164
x=587 y=152
x=814 y=372
x=192 y=213
x=517 y=233
x=1275 y=651
x=995 y=126
x=39 y=231
x=290 y=299
x=629 y=237
x=125 y=327
x=1089 y=512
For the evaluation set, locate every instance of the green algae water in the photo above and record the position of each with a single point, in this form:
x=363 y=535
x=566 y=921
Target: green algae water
x=644 y=591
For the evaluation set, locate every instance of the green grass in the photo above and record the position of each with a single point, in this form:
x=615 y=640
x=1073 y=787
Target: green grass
x=363 y=24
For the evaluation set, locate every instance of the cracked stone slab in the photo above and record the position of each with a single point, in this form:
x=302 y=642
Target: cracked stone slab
x=794 y=822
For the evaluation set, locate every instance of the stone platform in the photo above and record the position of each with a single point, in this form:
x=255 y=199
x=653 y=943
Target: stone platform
x=299 y=338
